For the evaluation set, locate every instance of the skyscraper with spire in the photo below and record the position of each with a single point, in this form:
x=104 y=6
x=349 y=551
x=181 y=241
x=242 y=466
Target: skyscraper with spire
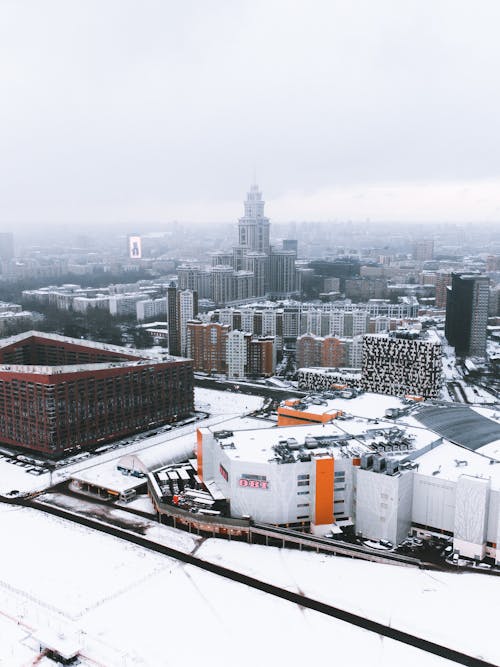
x=253 y=227
x=254 y=269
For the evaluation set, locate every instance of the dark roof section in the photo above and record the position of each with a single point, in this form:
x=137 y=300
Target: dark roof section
x=460 y=424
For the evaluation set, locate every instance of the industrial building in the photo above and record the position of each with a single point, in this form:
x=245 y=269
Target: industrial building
x=385 y=482
x=59 y=394
x=293 y=476
x=447 y=492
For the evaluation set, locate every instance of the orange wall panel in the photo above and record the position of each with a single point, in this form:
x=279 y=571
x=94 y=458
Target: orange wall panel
x=303 y=417
x=199 y=452
x=324 y=491
x=283 y=420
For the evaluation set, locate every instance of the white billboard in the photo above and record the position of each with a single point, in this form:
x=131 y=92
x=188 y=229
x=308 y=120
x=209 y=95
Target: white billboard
x=135 y=247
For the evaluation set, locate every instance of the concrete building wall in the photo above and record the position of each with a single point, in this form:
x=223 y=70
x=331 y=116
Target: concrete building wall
x=471 y=516
x=383 y=505
x=274 y=496
x=433 y=503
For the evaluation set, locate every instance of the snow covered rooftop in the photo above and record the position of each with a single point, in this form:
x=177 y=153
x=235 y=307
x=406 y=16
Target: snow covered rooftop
x=366 y=405
x=19 y=338
x=449 y=461
x=132 y=357
x=318 y=439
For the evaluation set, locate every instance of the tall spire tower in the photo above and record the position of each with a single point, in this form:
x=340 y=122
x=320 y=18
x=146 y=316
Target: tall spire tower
x=253 y=227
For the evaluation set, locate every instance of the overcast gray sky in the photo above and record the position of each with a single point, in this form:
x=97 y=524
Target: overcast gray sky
x=153 y=110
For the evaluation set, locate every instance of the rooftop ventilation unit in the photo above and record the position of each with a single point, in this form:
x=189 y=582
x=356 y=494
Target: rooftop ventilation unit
x=392 y=467
x=366 y=461
x=222 y=435
x=228 y=445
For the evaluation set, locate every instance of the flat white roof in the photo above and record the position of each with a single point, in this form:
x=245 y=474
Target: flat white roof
x=257 y=445
x=360 y=434
x=366 y=405
x=449 y=462
x=106 y=476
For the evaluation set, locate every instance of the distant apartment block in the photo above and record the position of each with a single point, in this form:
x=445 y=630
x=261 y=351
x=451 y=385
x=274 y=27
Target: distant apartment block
x=123 y=305
x=151 y=308
x=207 y=345
x=237 y=353
x=329 y=351
x=423 y=250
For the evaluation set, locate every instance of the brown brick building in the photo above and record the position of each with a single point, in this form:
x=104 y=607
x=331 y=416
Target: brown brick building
x=59 y=394
x=262 y=356
x=206 y=346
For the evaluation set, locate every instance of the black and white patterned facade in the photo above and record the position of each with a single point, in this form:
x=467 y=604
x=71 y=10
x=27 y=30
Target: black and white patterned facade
x=402 y=363
x=319 y=379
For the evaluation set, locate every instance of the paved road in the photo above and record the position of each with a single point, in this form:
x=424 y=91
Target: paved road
x=254 y=389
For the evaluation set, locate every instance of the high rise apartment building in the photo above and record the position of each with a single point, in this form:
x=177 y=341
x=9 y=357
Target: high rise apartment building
x=329 y=351
x=174 y=341
x=237 y=353
x=402 y=363
x=182 y=306
x=187 y=309
x=223 y=287
x=282 y=272
x=207 y=346
x=467 y=313
x=215 y=348
x=262 y=359
x=443 y=281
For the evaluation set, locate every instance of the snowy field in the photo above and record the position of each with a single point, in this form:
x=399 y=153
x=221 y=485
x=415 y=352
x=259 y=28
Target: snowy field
x=434 y=605
x=133 y=607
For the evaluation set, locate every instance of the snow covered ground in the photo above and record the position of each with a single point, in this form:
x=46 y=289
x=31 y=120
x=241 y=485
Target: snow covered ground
x=130 y=606
x=225 y=403
x=434 y=605
x=150 y=528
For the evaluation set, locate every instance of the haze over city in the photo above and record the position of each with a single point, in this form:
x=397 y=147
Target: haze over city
x=121 y=111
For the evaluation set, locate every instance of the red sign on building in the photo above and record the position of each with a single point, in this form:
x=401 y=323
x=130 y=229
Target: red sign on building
x=254 y=483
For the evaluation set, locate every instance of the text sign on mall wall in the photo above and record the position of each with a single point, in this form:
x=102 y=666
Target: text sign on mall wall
x=254 y=481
